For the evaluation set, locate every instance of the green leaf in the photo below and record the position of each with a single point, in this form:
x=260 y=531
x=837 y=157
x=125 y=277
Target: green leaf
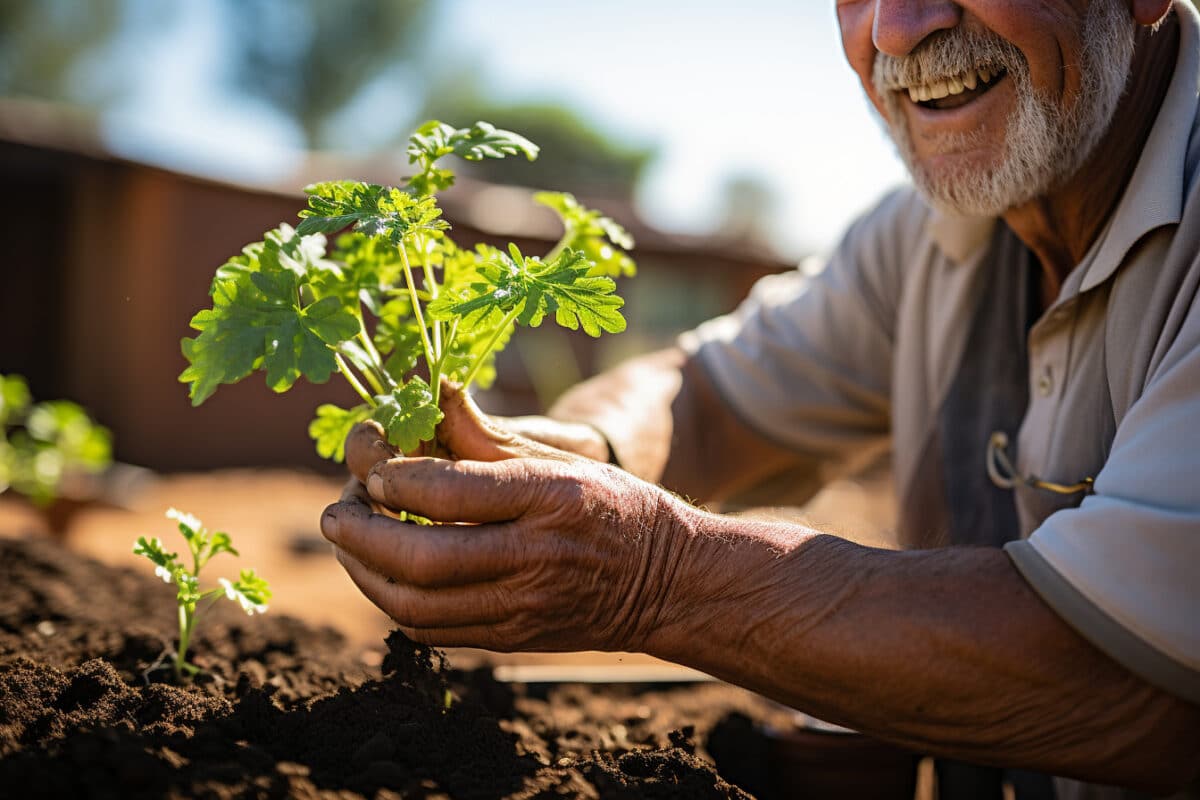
x=408 y=415
x=66 y=428
x=484 y=140
x=14 y=399
x=332 y=425
x=258 y=320
x=596 y=236
x=189 y=526
x=434 y=140
x=249 y=591
x=333 y=224
x=382 y=211
x=562 y=285
x=166 y=564
x=398 y=338
x=357 y=355
x=369 y=267
x=220 y=543
x=188 y=589
x=467 y=273
x=469 y=345
x=282 y=248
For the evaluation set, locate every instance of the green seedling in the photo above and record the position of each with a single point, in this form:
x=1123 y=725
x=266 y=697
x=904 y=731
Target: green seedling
x=41 y=444
x=249 y=591
x=395 y=305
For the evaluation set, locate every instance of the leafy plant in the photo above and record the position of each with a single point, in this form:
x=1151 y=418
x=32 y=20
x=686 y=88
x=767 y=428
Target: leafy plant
x=41 y=444
x=249 y=591
x=396 y=305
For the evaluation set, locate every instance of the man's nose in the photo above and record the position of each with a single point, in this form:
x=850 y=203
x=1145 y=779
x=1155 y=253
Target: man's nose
x=901 y=25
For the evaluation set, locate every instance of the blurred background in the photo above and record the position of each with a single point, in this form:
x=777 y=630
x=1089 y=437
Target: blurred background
x=142 y=142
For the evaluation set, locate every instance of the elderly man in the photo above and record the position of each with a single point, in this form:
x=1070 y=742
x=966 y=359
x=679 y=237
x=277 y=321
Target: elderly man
x=1023 y=332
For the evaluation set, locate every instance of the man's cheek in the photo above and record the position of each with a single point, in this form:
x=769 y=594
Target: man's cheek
x=855 y=18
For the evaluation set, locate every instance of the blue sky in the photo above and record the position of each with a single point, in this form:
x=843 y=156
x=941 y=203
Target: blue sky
x=757 y=87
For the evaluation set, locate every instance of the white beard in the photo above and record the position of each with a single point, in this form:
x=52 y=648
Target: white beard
x=1044 y=145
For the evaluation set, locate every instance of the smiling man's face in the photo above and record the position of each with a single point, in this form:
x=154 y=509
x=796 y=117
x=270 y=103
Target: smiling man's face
x=991 y=104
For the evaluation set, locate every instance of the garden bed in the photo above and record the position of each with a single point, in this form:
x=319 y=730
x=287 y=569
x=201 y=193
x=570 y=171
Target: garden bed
x=287 y=709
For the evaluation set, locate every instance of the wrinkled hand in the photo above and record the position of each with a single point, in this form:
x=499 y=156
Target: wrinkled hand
x=366 y=443
x=573 y=437
x=542 y=550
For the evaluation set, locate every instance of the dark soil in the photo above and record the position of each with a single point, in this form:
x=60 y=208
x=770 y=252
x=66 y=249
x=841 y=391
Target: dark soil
x=286 y=710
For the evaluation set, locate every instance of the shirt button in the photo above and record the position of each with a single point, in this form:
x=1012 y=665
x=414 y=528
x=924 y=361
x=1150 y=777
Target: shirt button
x=1045 y=382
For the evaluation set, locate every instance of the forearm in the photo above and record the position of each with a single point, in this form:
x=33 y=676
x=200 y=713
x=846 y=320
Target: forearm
x=948 y=652
x=667 y=424
x=631 y=406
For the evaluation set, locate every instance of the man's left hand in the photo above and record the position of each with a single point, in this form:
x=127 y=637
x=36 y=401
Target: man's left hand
x=539 y=549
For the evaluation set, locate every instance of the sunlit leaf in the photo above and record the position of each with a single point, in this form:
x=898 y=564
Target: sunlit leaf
x=408 y=415
x=332 y=425
x=259 y=319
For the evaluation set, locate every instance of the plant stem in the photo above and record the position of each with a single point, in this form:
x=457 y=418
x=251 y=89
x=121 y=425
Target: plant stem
x=508 y=318
x=431 y=285
x=369 y=346
x=185 y=634
x=374 y=375
x=435 y=366
x=353 y=380
x=416 y=305
x=373 y=379
x=377 y=375
x=435 y=372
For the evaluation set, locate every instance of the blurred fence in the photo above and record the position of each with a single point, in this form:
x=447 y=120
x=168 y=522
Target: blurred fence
x=103 y=261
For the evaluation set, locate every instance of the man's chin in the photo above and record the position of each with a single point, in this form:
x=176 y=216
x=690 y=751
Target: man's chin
x=964 y=185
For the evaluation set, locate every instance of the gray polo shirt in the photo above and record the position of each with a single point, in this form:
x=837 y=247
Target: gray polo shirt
x=882 y=348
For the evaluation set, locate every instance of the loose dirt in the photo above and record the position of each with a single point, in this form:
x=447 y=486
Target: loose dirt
x=286 y=709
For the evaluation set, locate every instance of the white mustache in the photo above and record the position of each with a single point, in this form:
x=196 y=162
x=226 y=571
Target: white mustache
x=944 y=56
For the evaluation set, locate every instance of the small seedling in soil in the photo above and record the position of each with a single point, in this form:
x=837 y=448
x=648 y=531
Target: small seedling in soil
x=43 y=444
x=396 y=305
x=249 y=590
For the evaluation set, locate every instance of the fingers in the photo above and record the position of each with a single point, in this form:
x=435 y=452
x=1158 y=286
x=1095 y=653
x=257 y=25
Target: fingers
x=573 y=437
x=466 y=433
x=466 y=616
x=462 y=491
x=419 y=607
x=421 y=555
x=470 y=434
x=355 y=492
x=366 y=445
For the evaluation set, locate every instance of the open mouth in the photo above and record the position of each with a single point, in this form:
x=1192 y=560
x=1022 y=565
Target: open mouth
x=954 y=92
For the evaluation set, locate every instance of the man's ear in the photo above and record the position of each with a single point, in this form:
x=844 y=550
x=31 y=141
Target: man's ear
x=1148 y=12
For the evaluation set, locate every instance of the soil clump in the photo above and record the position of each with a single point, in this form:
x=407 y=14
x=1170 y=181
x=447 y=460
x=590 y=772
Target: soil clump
x=288 y=710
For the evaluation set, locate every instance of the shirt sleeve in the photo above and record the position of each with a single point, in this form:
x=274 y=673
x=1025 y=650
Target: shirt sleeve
x=806 y=360
x=1124 y=567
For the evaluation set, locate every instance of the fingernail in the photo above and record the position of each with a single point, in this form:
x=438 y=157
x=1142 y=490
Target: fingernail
x=375 y=486
x=329 y=525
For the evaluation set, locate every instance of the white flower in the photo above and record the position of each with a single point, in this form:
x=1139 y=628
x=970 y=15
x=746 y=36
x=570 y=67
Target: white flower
x=163 y=573
x=184 y=518
x=251 y=608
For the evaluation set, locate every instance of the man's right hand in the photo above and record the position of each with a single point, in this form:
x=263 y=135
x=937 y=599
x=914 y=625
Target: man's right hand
x=500 y=437
x=574 y=437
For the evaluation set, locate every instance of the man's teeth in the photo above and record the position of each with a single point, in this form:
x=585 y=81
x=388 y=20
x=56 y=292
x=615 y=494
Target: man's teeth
x=946 y=88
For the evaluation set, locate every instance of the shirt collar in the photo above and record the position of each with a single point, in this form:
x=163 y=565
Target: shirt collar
x=1155 y=194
